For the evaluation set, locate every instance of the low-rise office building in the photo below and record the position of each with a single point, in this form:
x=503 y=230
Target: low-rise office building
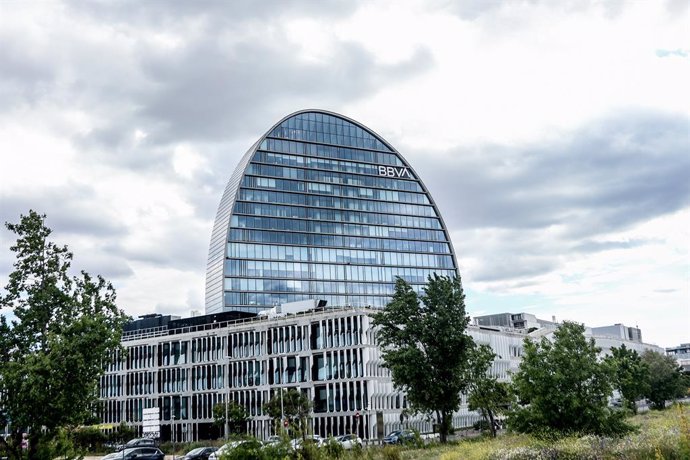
x=186 y=366
x=681 y=354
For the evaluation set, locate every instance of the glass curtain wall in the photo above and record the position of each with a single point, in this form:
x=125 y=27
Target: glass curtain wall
x=326 y=209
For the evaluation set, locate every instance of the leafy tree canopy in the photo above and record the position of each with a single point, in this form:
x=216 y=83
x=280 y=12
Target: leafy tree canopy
x=630 y=375
x=486 y=394
x=666 y=380
x=296 y=408
x=425 y=346
x=52 y=354
x=564 y=388
x=237 y=417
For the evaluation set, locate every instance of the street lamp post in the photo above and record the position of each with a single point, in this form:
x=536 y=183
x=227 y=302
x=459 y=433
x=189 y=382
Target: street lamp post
x=227 y=394
x=173 y=433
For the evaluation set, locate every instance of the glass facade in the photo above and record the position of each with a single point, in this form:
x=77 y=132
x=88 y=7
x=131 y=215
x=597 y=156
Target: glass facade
x=321 y=207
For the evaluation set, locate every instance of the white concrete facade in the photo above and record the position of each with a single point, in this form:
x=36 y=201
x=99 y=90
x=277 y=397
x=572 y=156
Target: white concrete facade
x=330 y=355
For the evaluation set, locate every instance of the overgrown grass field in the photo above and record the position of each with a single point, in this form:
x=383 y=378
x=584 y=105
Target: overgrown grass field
x=660 y=435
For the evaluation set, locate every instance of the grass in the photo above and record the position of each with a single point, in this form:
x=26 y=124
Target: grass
x=660 y=435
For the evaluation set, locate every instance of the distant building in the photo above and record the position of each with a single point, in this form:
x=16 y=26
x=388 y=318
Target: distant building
x=605 y=337
x=682 y=354
x=521 y=321
x=619 y=331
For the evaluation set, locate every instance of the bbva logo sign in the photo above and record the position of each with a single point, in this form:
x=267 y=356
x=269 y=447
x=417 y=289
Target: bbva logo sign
x=392 y=171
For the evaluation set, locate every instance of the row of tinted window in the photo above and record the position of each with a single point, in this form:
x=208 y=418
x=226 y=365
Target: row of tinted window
x=300 y=225
x=348 y=256
x=330 y=151
x=331 y=130
x=317 y=163
x=356 y=217
x=318 y=287
x=322 y=272
x=331 y=189
x=333 y=177
x=311 y=121
x=265 y=196
x=263 y=301
x=354 y=242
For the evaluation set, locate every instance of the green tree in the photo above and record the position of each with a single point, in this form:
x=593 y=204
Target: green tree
x=630 y=375
x=485 y=393
x=666 y=379
x=564 y=388
x=52 y=354
x=237 y=417
x=425 y=346
x=296 y=408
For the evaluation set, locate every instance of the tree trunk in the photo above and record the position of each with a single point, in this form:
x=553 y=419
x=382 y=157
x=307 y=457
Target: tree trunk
x=443 y=430
x=492 y=422
x=34 y=437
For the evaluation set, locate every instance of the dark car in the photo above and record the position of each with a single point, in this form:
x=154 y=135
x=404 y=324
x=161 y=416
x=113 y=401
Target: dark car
x=143 y=453
x=399 y=437
x=200 y=453
x=138 y=442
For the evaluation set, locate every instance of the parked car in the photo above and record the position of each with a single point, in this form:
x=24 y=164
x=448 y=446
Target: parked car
x=271 y=440
x=200 y=453
x=137 y=442
x=399 y=437
x=315 y=438
x=224 y=448
x=143 y=453
x=114 y=456
x=349 y=441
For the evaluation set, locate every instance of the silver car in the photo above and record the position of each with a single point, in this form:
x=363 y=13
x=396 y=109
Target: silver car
x=349 y=441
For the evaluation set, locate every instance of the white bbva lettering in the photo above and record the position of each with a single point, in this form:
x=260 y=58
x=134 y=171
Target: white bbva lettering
x=391 y=171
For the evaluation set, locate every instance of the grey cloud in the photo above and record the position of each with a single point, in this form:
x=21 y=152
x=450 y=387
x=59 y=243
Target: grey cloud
x=599 y=246
x=25 y=77
x=111 y=266
x=509 y=267
x=70 y=209
x=212 y=91
x=608 y=176
x=181 y=246
x=75 y=218
x=677 y=8
x=518 y=212
x=220 y=83
x=472 y=10
x=214 y=13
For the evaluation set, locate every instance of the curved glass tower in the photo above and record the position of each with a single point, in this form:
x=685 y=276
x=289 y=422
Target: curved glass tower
x=322 y=207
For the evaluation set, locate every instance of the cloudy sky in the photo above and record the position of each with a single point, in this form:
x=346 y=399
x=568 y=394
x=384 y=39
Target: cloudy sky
x=554 y=136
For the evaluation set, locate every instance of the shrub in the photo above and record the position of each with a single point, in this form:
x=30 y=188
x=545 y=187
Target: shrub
x=309 y=450
x=250 y=449
x=89 y=437
x=391 y=453
x=333 y=448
